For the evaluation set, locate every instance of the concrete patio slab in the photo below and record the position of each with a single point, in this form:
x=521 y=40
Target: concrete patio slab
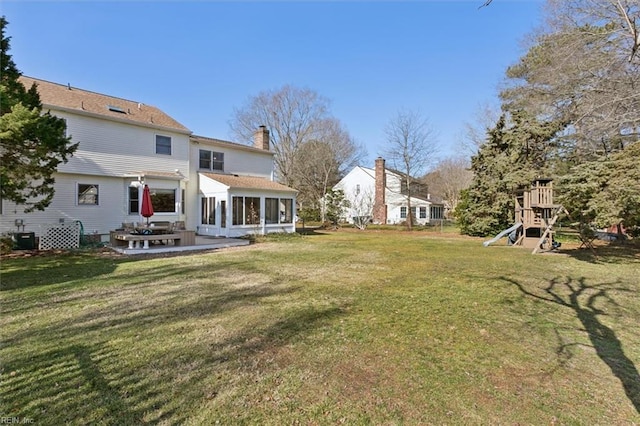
x=202 y=243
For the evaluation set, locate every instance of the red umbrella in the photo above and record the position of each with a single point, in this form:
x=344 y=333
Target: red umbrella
x=147 y=206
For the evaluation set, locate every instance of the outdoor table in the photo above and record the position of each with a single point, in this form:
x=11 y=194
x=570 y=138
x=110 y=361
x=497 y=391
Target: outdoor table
x=154 y=229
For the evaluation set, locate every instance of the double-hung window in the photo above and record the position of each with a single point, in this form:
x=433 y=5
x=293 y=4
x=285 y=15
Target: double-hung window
x=217 y=162
x=134 y=200
x=163 y=145
x=205 y=159
x=211 y=160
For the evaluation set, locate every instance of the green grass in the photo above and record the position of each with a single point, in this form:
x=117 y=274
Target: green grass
x=375 y=327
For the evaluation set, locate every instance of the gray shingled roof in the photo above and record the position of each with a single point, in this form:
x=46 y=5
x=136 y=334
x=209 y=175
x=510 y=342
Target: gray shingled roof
x=66 y=97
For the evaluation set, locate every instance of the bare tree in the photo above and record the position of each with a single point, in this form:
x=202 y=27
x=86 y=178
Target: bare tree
x=620 y=17
x=624 y=15
x=361 y=204
x=325 y=161
x=474 y=132
x=578 y=71
x=449 y=178
x=292 y=116
x=411 y=147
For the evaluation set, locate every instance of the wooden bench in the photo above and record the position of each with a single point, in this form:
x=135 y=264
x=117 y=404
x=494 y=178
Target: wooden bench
x=142 y=241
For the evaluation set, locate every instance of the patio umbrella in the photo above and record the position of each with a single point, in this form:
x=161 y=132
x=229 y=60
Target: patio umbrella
x=147 y=206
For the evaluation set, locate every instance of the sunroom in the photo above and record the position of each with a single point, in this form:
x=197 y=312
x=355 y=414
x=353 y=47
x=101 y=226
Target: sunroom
x=235 y=206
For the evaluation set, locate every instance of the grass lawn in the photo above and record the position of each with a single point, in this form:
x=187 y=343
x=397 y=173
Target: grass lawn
x=375 y=327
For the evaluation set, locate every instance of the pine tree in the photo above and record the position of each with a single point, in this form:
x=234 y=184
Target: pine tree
x=486 y=205
x=510 y=159
x=605 y=192
x=32 y=144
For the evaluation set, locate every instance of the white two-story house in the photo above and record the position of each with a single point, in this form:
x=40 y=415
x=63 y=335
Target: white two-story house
x=380 y=195
x=208 y=184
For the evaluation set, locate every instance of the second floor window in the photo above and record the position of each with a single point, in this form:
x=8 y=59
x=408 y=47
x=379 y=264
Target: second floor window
x=211 y=160
x=163 y=145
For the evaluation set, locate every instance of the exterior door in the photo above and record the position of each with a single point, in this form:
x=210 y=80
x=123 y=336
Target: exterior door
x=208 y=225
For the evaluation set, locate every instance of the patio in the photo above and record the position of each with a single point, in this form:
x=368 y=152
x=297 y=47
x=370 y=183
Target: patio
x=201 y=243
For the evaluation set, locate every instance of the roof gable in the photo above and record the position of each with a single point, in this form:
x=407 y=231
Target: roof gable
x=67 y=98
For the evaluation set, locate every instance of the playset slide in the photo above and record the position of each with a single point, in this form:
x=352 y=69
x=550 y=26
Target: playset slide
x=502 y=234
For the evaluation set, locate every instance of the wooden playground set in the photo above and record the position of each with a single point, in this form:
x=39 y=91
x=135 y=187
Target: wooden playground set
x=535 y=215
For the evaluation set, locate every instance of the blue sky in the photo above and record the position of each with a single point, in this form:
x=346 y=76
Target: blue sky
x=199 y=60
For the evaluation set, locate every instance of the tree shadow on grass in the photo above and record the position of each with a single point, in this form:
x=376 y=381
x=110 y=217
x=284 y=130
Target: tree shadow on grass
x=571 y=294
x=121 y=306
x=24 y=273
x=67 y=385
x=311 y=231
x=613 y=253
x=21 y=273
x=124 y=363
x=51 y=269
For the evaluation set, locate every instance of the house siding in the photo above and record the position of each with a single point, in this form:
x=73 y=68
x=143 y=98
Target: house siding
x=349 y=185
x=236 y=160
x=109 y=214
x=64 y=207
x=111 y=148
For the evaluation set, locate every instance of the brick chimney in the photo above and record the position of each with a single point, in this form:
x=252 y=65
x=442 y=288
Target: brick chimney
x=379 y=206
x=261 y=138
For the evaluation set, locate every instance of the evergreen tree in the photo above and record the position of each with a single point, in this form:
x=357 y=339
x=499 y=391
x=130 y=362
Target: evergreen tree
x=511 y=158
x=335 y=204
x=486 y=205
x=605 y=192
x=32 y=144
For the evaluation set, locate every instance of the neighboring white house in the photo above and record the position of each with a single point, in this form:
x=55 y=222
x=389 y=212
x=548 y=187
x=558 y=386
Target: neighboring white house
x=378 y=194
x=125 y=144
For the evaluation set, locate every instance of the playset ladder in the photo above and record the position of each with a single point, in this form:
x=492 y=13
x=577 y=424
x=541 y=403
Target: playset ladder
x=549 y=227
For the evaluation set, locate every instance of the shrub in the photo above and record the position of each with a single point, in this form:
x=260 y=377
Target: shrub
x=6 y=244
